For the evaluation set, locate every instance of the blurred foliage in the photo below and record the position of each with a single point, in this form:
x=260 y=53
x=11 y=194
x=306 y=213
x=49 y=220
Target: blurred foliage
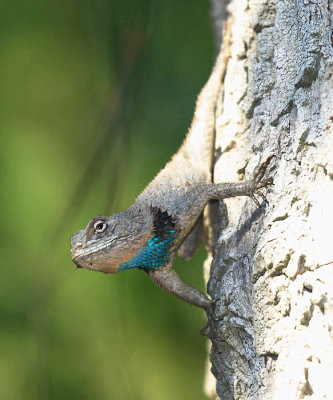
x=96 y=95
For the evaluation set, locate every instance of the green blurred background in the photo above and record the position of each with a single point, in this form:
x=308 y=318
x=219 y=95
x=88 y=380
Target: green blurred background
x=96 y=95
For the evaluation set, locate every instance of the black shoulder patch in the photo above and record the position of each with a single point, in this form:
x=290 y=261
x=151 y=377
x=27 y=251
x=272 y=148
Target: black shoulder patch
x=163 y=223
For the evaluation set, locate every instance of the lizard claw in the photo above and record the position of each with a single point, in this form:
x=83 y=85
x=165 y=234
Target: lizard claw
x=255 y=200
x=259 y=183
x=262 y=169
x=265 y=183
x=210 y=327
x=260 y=194
x=210 y=311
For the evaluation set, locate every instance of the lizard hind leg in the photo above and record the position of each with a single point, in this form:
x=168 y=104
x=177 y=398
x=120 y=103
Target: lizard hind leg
x=248 y=188
x=211 y=327
x=168 y=279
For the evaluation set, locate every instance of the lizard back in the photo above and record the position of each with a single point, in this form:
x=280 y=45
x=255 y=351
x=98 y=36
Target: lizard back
x=193 y=162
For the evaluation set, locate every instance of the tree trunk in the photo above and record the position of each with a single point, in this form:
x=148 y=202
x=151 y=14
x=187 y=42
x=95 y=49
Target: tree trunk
x=272 y=268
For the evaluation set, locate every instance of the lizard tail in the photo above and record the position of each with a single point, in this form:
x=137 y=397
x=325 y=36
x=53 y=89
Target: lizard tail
x=199 y=144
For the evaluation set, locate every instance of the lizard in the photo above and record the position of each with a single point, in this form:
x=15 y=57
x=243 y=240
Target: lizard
x=160 y=222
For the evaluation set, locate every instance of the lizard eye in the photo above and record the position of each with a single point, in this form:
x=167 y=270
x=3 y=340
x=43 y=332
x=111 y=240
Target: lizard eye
x=100 y=226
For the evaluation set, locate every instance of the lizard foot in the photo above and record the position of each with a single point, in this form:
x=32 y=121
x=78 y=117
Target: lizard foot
x=210 y=312
x=210 y=327
x=260 y=183
x=263 y=167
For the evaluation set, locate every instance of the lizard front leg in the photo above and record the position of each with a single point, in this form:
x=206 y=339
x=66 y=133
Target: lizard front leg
x=247 y=188
x=168 y=279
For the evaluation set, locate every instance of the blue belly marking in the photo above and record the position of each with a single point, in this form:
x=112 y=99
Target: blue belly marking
x=153 y=254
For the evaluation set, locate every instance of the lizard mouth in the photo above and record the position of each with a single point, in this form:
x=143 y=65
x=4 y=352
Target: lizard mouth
x=80 y=262
x=76 y=261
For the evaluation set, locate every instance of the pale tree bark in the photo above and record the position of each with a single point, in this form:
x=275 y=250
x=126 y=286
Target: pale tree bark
x=272 y=269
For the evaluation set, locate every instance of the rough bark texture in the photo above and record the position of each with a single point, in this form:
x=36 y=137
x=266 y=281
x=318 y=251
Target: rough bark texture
x=273 y=266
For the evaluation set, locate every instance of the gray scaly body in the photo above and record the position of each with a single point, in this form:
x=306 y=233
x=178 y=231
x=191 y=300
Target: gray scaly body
x=149 y=233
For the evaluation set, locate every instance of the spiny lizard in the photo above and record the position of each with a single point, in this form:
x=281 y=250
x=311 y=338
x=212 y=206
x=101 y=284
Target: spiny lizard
x=150 y=232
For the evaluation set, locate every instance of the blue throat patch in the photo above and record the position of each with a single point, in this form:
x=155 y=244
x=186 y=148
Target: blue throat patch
x=153 y=254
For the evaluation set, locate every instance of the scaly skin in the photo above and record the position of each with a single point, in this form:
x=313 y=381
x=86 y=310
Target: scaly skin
x=149 y=233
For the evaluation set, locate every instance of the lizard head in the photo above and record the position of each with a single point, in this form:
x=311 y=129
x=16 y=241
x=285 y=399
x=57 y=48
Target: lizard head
x=107 y=242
